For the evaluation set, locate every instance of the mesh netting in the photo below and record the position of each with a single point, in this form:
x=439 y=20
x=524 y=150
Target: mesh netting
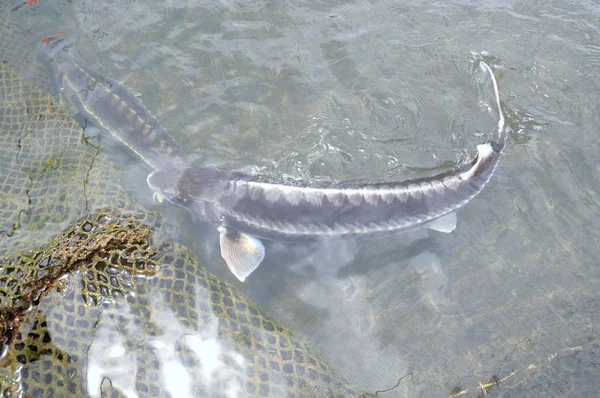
x=45 y=161
x=109 y=301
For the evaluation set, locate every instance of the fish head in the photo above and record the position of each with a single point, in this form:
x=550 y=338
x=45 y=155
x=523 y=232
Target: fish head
x=165 y=184
x=54 y=52
x=199 y=189
x=55 y=44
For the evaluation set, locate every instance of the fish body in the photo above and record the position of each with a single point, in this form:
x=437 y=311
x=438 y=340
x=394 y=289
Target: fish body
x=269 y=209
x=113 y=108
x=247 y=208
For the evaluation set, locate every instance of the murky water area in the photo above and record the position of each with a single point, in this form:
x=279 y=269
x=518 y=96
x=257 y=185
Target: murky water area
x=381 y=90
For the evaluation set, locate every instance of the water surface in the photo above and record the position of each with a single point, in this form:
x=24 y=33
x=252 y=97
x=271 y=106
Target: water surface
x=380 y=90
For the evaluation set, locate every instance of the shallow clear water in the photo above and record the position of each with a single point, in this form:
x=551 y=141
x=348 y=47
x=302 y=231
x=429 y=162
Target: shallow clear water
x=379 y=90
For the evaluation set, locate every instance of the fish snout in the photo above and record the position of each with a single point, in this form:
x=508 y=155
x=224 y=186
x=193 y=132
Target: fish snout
x=164 y=183
x=157 y=196
x=149 y=180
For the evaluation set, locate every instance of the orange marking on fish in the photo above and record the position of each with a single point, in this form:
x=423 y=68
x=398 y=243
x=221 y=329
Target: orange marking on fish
x=58 y=36
x=30 y=2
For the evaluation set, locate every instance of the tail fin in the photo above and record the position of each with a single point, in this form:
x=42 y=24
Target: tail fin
x=501 y=133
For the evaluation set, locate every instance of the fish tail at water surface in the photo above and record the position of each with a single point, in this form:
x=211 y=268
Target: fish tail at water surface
x=108 y=105
x=248 y=208
x=501 y=134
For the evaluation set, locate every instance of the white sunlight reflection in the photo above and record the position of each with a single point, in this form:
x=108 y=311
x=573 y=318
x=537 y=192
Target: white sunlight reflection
x=108 y=358
x=204 y=344
x=110 y=364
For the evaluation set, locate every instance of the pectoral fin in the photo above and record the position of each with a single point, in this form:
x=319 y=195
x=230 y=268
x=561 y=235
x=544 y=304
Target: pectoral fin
x=446 y=223
x=242 y=253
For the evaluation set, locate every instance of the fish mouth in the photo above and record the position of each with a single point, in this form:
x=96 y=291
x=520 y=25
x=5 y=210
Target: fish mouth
x=158 y=197
x=163 y=183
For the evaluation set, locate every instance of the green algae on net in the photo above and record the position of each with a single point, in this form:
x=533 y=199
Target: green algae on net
x=93 y=302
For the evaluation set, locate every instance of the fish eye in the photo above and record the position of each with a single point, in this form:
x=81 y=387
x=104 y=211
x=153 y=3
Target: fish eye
x=183 y=201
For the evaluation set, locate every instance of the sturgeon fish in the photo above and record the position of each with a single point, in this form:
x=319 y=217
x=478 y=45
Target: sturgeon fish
x=247 y=208
x=111 y=107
